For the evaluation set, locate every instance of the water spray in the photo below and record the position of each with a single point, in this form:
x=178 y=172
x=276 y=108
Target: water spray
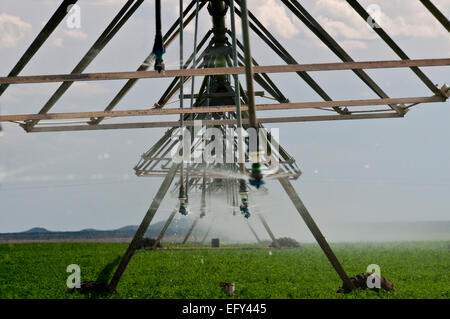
x=243 y=191
x=256 y=176
x=203 y=202
x=183 y=201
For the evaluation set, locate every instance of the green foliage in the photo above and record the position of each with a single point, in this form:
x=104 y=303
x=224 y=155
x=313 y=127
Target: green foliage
x=418 y=270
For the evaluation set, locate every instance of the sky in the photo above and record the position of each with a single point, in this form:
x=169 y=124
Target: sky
x=366 y=170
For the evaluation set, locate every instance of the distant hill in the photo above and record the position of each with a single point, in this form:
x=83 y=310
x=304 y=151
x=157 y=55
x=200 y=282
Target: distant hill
x=36 y=230
x=178 y=228
x=131 y=228
x=335 y=232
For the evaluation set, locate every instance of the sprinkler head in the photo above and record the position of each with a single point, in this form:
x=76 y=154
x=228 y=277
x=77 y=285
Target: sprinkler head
x=158 y=51
x=183 y=210
x=244 y=209
x=159 y=65
x=256 y=177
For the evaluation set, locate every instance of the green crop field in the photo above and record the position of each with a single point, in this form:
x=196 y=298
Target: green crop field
x=418 y=269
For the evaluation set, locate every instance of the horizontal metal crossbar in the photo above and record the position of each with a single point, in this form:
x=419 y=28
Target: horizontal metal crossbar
x=224 y=71
x=214 y=122
x=218 y=109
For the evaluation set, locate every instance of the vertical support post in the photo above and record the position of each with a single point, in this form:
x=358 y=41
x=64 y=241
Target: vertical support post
x=315 y=231
x=266 y=226
x=143 y=226
x=183 y=194
x=237 y=97
x=203 y=199
x=253 y=231
x=190 y=230
x=248 y=65
x=164 y=229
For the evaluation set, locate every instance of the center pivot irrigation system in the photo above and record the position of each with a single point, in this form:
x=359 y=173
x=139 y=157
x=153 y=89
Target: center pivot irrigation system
x=221 y=103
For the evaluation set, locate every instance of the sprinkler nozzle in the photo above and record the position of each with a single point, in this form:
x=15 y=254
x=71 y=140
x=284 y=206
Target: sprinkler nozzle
x=158 y=51
x=256 y=177
x=244 y=205
x=183 y=210
x=159 y=65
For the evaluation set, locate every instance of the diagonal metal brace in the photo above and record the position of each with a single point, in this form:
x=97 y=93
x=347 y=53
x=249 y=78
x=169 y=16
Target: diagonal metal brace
x=289 y=189
x=143 y=227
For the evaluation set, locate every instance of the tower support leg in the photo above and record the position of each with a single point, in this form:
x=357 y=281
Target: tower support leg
x=164 y=229
x=315 y=231
x=143 y=227
x=207 y=233
x=266 y=226
x=190 y=230
x=209 y=229
x=253 y=231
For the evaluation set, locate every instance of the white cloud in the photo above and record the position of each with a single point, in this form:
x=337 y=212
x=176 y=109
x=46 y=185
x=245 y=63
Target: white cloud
x=12 y=30
x=274 y=16
x=413 y=21
x=85 y=88
x=58 y=39
x=107 y=2
x=354 y=44
x=344 y=30
x=57 y=42
x=75 y=34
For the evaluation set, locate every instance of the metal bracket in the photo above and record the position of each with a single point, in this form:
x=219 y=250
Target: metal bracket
x=445 y=91
x=401 y=109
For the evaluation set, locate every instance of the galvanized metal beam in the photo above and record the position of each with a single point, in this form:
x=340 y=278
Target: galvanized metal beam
x=289 y=189
x=67 y=128
x=436 y=13
x=269 y=231
x=174 y=86
x=391 y=43
x=276 y=46
x=218 y=109
x=143 y=227
x=253 y=231
x=46 y=31
x=164 y=229
x=116 y=24
x=253 y=121
x=191 y=229
x=168 y=38
x=329 y=41
x=225 y=71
